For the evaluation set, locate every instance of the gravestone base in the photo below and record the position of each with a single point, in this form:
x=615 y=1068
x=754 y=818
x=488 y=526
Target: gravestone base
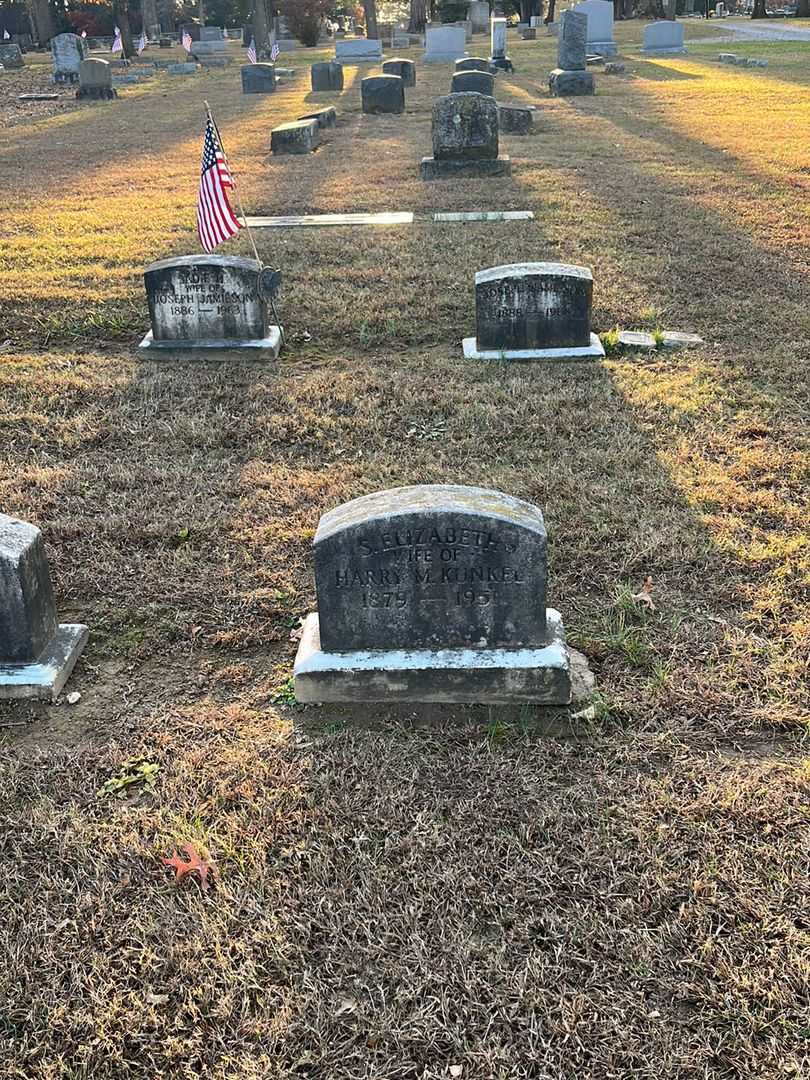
x=486 y=676
x=515 y=119
x=570 y=83
x=43 y=680
x=458 y=168
x=664 y=52
x=503 y=63
x=70 y=77
x=96 y=93
x=571 y=352
x=603 y=48
x=266 y=348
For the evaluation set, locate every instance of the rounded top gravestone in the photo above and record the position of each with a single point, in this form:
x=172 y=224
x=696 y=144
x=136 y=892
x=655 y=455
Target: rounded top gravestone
x=431 y=567
x=533 y=306
x=465 y=126
x=27 y=608
x=476 y=82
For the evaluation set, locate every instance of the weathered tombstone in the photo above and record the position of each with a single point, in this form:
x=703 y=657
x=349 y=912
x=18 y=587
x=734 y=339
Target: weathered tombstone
x=187 y=68
x=663 y=38
x=600 y=26
x=528 y=33
x=67 y=52
x=95 y=80
x=478 y=14
x=214 y=61
x=465 y=139
x=11 y=56
x=259 y=78
x=498 y=57
x=515 y=119
x=297 y=137
x=432 y=593
x=533 y=311
x=325 y=118
x=382 y=94
x=475 y=82
x=406 y=69
x=37 y=654
x=475 y=63
x=211 y=303
x=444 y=43
x=326 y=76
x=570 y=77
x=358 y=50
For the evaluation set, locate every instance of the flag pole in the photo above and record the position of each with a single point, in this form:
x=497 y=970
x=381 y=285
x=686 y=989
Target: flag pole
x=235 y=188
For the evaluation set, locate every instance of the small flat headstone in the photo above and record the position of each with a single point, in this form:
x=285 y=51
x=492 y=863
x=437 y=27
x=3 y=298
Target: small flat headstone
x=182 y=69
x=37 y=97
x=636 y=339
x=614 y=67
x=675 y=339
x=432 y=593
x=486 y=215
x=330 y=220
x=358 y=50
x=297 y=137
x=533 y=311
x=326 y=118
x=210 y=304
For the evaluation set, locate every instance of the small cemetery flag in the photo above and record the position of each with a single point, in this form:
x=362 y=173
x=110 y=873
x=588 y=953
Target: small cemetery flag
x=117 y=45
x=6 y=35
x=143 y=41
x=251 y=53
x=216 y=220
x=187 y=42
x=274 y=52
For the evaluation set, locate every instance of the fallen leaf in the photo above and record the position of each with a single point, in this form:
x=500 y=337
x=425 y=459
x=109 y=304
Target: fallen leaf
x=195 y=862
x=644 y=595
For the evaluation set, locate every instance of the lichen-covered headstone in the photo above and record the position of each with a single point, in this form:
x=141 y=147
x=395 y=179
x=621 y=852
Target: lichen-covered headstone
x=570 y=78
x=67 y=52
x=95 y=80
x=11 y=56
x=465 y=138
x=37 y=654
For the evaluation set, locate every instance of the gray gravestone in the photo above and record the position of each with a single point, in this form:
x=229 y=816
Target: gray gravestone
x=599 y=33
x=325 y=118
x=259 y=78
x=465 y=138
x=11 y=56
x=433 y=593
x=663 y=38
x=497 y=30
x=472 y=82
x=37 y=654
x=358 y=50
x=406 y=69
x=533 y=311
x=383 y=94
x=570 y=78
x=187 y=68
x=515 y=119
x=474 y=63
x=328 y=76
x=208 y=302
x=444 y=43
x=297 y=137
x=95 y=80
x=67 y=52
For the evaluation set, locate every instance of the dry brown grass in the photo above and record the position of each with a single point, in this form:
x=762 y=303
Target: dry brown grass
x=396 y=896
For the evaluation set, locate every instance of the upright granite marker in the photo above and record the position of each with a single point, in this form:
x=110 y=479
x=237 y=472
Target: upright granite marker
x=533 y=311
x=326 y=76
x=663 y=39
x=67 y=52
x=11 y=56
x=95 y=81
x=432 y=593
x=406 y=69
x=444 y=43
x=475 y=63
x=259 y=78
x=382 y=94
x=498 y=57
x=358 y=50
x=476 y=82
x=212 y=304
x=37 y=654
x=465 y=139
x=599 y=35
x=570 y=78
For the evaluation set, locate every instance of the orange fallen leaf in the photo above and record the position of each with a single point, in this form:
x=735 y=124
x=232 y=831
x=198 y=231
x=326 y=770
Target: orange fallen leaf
x=644 y=595
x=195 y=862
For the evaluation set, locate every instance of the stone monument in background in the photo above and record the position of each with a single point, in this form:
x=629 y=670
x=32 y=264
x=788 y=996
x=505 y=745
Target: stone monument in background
x=571 y=77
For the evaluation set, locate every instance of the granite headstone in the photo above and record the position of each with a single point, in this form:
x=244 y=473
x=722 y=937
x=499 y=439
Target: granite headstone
x=382 y=94
x=67 y=52
x=570 y=78
x=326 y=76
x=259 y=78
x=406 y=69
x=11 y=56
x=465 y=138
x=663 y=38
x=476 y=82
x=95 y=80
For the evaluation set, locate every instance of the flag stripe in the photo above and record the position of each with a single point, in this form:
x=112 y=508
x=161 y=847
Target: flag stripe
x=216 y=220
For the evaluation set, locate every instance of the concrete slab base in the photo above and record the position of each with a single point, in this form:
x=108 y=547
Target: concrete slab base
x=266 y=348
x=43 y=680
x=594 y=350
x=486 y=676
x=443 y=169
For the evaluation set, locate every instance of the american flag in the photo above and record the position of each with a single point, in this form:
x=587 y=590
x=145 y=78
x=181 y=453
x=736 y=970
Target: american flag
x=251 y=53
x=143 y=41
x=187 y=42
x=216 y=220
x=274 y=51
x=117 y=45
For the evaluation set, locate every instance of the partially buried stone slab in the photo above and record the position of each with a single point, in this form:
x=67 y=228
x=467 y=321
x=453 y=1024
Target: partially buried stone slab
x=297 y=137
x=465 y=138
x=432 y=593
x=259 y=79
x=475 y=63
x=515 y=119
x=325 y=118
x=37 y=654
x=95 y=81
x=383 y=94
x=182 y=69
x=406 y=69
x=475 y=82
x=326 y=76
x=208 y=303
x=533 y=311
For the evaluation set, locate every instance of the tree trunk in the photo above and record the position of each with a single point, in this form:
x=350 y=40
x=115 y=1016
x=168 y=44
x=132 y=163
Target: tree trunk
x=39 y=12
x=552 y=4
x=418 y=19
x=803 y=10
x=759 y=11
x=261 y=28
x=201 y=12
x=120 y=10
x=149 y=18
x=370 y=9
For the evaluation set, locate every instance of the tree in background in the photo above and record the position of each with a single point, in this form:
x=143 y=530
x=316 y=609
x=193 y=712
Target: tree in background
x=370 y=13
x=304 y=18
x=418 y=17
x=44 y=24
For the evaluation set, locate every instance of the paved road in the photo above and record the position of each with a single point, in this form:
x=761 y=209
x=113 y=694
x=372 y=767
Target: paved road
x=748 y=31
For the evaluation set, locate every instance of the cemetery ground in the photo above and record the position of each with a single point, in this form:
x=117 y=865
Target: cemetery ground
x=406 y=893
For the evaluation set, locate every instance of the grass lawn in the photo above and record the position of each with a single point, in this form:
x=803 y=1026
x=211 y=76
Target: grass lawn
x=400 y=893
